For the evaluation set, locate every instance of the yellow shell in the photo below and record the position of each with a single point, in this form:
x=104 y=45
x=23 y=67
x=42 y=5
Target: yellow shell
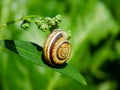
x=57 y=48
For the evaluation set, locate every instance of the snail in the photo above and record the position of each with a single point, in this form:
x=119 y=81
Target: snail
x=57 y=48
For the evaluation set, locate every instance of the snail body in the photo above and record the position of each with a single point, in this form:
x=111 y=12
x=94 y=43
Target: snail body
x=57 y=48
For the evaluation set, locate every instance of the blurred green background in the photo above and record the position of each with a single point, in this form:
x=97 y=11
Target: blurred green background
x=95 y=44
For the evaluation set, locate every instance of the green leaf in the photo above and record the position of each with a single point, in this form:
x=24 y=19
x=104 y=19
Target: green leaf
x=33 y=52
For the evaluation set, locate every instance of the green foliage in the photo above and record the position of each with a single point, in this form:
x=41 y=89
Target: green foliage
x=33 y=53
x=94 y=26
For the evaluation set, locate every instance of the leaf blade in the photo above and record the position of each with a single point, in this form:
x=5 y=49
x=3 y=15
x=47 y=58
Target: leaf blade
x=33 y=52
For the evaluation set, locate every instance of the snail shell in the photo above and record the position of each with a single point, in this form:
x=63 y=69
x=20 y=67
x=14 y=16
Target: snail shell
x=57 y=48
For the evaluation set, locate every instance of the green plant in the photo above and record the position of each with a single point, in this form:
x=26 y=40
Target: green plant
x=94 y=25
x=33 y=52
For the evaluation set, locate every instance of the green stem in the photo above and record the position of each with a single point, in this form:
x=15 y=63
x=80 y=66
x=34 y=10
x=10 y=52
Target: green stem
x=32 y=16
x=42 y=23
x=11 y=22
x=17 y=20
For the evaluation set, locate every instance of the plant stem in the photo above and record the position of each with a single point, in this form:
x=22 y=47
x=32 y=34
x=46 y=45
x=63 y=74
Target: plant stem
x=32 y=16
x=11 y=22
x=17 y=20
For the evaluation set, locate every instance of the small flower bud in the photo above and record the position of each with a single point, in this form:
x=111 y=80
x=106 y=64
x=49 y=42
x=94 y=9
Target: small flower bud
x=25 y=26
x=26 y=23
x=58 y=18
x=43 y=27
x=48 y=19
x=52 y=22
x=38 y=21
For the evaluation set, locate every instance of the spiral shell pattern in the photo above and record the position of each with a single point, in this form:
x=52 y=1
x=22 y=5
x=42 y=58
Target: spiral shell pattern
x=57 y=48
